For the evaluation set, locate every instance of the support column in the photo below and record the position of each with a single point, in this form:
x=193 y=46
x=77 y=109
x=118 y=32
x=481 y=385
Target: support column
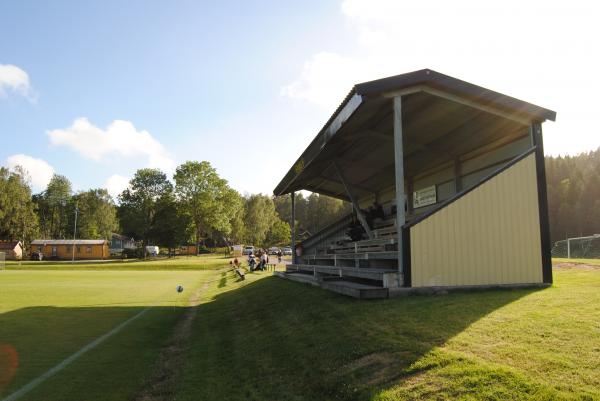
x=293 y=227
x=399 y=166
x=361 y=217
x=540 y=167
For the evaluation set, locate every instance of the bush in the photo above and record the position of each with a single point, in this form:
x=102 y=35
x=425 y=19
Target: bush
x=221 y=250
x=136 y=253
x=202 y=249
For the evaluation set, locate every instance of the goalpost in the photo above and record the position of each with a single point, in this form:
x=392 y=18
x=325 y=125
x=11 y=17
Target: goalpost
x=578 y=247
x=2 y=259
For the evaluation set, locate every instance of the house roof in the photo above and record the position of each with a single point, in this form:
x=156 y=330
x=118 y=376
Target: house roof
x=9 y=245
x=121 y=237
x=68 y=242
x=366 y=99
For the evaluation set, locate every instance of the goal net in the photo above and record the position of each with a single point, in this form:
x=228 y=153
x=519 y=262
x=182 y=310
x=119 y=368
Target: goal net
x=578 y=248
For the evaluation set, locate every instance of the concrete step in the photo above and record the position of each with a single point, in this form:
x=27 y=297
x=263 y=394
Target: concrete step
x=299 y=277
x=355 y=290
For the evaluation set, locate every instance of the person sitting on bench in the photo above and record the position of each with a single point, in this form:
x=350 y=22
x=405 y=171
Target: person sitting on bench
x=236 y=268
x=251 y=262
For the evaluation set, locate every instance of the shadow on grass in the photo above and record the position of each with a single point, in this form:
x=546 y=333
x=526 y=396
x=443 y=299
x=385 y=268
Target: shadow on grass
x=35 y=339
x=277 y=340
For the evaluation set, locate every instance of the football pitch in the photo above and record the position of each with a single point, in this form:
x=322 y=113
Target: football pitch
x=109 y=325
x=86 y=333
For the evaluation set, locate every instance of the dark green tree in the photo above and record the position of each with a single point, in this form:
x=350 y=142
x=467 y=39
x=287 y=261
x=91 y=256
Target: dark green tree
x=18 y=220
x=53 y=208
x=97 y=216
x=279 y=234
x=139 y=203
x=206 y=198
x=259 y=217
x=169 y=228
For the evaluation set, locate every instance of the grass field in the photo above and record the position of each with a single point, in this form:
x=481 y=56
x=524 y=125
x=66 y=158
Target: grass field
x=270 y=339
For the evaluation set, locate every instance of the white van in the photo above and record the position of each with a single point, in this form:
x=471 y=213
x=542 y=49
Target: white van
x=152 y=250
x=248 y=250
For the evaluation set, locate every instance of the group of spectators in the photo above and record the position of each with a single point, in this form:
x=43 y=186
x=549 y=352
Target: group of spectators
x=261 y=259
x=258 y=260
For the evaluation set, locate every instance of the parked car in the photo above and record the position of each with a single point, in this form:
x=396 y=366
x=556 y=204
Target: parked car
x=248 y=250
x=286 y=250
x=273 y=250
x=37 y=256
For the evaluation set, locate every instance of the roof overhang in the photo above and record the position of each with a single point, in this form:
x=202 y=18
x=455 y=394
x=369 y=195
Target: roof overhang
x=366 y=101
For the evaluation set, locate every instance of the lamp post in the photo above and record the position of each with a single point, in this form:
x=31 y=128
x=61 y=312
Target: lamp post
x=74 y=234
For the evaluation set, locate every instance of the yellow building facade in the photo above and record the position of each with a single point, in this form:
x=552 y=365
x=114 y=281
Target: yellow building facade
x=63 y=249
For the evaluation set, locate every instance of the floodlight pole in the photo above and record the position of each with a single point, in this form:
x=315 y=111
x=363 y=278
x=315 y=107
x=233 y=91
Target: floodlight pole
x=74 y=234
x=293 y=227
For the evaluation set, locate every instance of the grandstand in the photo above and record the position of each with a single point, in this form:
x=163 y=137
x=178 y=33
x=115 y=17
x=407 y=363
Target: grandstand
x=447 y=184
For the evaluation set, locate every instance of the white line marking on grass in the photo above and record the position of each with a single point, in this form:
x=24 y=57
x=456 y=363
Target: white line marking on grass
x=35 y=382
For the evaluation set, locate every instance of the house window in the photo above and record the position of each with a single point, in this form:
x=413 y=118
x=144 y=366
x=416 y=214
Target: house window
x=39 y=248
x=88 y=249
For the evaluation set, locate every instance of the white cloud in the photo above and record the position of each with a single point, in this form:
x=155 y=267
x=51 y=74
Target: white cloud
x=14 y=79
x=115 y=184
x=543 y=52
x=325 y=79
x=119 y=139
x=39 y=171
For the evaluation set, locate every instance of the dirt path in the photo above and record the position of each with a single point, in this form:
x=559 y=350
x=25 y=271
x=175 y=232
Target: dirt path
x=161 y=385
x=570 y=265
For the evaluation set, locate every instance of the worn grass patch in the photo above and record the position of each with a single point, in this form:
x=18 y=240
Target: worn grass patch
x=592 y=262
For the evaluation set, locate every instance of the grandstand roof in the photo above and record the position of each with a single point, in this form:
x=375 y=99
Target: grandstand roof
x=442 y=118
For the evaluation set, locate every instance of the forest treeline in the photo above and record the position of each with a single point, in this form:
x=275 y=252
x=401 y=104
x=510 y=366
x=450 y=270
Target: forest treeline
x=573 y=195
x=198 y=206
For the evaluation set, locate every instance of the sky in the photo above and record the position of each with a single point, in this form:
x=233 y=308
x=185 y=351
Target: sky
x=94 y=90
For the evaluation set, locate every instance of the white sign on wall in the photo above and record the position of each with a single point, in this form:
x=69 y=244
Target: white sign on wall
x=424 y=197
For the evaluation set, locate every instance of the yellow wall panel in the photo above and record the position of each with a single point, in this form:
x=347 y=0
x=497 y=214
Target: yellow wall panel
x=489 y=236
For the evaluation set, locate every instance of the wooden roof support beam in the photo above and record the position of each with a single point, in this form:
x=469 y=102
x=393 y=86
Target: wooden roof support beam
x=458 y=99
x=355 y=204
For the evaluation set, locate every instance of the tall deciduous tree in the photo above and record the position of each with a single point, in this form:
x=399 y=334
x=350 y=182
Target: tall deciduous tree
x=205 y=197
x=279 y=234
x=259 y=218
x=52 y=206
x=169 y=228
x=18 y=220
x=139 y=203
x=97 y=217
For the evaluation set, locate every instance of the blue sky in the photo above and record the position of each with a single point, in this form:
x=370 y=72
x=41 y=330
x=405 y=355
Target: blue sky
x=95 y=90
